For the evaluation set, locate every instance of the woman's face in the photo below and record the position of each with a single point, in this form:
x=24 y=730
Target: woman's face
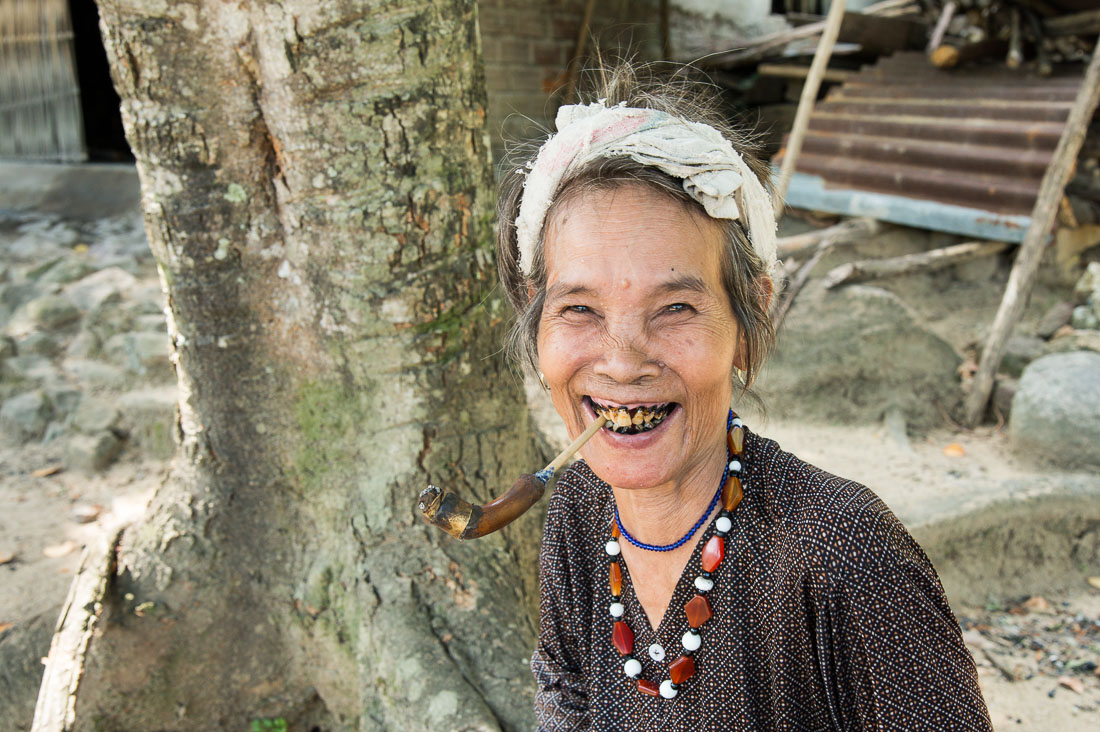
x=636 y=316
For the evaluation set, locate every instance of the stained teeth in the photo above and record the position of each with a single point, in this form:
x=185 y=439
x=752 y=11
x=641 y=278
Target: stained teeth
x=622 y=420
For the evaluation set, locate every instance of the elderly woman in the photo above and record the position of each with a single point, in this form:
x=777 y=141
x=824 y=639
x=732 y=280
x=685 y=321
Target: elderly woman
x=694 y=575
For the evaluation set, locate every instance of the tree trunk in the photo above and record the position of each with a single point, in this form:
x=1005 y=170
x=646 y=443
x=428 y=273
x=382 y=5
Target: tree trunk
x=317 y=194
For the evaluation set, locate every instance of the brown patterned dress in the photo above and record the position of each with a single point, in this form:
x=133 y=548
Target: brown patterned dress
x=827 y=616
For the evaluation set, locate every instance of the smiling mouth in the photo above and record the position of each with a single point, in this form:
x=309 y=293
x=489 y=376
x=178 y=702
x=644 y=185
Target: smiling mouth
x=632 y=420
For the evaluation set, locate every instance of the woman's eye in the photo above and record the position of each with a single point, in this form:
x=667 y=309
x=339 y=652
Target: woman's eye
x=678 y=307
x=577 y=309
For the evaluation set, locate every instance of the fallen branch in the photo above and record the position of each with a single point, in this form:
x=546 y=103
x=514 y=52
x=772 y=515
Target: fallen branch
x=846 y=232
x=1022 y=278
x=1071 y=25
x=799 y=280
x=874 y=269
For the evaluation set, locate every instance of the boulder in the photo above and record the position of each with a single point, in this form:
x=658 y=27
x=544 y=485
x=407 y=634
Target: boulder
x=34 y=369
x=96 y=414
x=84 y=344
x=1054 y=318
x=69 y=269
x=94 y=374
x=1019 y=352
x=24 y=417
x=149 y=420
x=1085 y=318
x=7 y=347
x=1056 y=410
x=92 y=453
x=52 y=311
x=22 y=648
x=849 y=354
x=40 y=344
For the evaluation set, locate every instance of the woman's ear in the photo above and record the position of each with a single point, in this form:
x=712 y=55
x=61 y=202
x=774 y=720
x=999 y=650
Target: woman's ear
x=767 y=290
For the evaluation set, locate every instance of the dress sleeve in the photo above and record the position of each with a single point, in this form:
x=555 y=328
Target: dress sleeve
x=561 y=699
x=894 y=649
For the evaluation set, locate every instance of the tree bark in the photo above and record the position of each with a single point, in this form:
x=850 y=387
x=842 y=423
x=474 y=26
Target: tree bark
x=317 y=193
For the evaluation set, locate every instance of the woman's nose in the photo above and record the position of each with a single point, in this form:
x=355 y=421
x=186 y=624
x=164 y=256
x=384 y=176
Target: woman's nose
x=626 y=359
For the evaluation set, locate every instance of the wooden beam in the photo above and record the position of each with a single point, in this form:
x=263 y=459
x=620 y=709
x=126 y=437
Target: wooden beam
x=876 y=269
x=790 y=71
x=1073 y=25
x=1022 y=278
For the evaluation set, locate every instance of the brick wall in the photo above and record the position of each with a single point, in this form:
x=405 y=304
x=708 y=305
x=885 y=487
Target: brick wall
x=527 y=47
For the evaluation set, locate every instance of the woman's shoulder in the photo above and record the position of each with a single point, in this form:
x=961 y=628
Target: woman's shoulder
x=579 y=502
x=839 y=524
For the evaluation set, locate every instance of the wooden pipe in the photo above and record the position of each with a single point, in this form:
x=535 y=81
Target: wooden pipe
x=464 y=520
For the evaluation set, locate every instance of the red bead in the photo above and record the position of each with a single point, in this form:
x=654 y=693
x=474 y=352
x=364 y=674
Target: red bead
x=623 y=638
x=649 y=687
x=731 y=493
x=616 y=579
x=713 y=553
x=698 y=611
x=682 y=669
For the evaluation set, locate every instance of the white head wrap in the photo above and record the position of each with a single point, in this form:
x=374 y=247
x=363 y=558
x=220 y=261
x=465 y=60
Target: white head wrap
x=713 y=172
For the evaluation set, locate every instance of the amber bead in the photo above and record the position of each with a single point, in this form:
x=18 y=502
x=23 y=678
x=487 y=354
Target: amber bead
x=682 y=669
x=616 y=579
x=614 y=529
x=698 y=611
x=713 y=553
x=731 y=493
x=623 y=638
x=649 y=688
x=736 y=440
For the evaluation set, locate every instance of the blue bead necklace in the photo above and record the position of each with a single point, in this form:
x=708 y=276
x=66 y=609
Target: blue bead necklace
x=691 y=532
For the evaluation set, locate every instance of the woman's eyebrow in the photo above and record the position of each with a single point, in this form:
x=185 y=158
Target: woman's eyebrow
x=564 y=289
x=683 y=283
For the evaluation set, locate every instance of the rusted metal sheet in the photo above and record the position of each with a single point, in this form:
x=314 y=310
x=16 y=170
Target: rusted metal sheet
x=977 y=140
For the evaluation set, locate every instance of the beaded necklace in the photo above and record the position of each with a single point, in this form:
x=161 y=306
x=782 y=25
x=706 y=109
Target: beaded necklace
x=697 y=609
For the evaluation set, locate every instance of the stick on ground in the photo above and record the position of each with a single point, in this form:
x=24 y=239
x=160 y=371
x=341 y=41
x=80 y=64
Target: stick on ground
x=872 y=269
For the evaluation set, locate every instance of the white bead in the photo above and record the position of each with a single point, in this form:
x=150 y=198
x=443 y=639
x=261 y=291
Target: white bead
x=616 y=609
x=632 y=668
x=723 y=524
x=735 y=466
x=666 y=689
x=692 y=641
x=737 y=422
x=703 y=584
x=612 y=548
x=656 y=652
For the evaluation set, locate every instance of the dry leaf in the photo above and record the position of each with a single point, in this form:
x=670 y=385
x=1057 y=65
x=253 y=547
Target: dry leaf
x=4 y=626
x=84 y=513
x=59 y=550
x=81 y=248
x=6 y=557
x=1072 y=684
x=48 y=470
x=954 y=450
x=1094 y=582
x=1037 y=604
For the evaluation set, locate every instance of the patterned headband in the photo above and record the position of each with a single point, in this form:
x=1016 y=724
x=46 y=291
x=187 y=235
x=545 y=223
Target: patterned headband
x=712 y=171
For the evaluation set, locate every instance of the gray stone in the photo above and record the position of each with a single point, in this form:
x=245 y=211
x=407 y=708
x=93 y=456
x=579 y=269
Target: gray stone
x=1054 y=318
x=7 y=347
x=978 y=271
x=15 y=294
x=1084 y=318
x=52 y=311
x=56 y=430
x=22 y=648
x=24 y=417
x=1019 y=352
x=38 y=343
x=64 y=398
x=106 y=285
x=151 y=322
x=140 y=352
x=68 y=269
x=149 y=420
x=850 y=354
x=1088 y=285
x=84 y=344
x=96 y=414
x=1004 y=389
x=34 y=369
x=94 y=374
x=1056 y=410
x=1076 y=340
x=35 y=271
x=92 y=453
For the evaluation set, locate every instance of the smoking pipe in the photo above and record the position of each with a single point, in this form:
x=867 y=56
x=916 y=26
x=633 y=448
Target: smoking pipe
x=464 y=520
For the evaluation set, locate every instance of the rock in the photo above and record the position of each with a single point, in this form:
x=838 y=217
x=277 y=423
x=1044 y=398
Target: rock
x=22 y=649
x=64 y=398
x=96 y=414
x=151 y=322
x=850 y=354
x=84 y=344
x=94 y=374
x=106 y=285
x=85 y=513
x=14 y=295
x=1084 y=318
x=1019 y=352
x=978 y=271
x=1088 y=285
x=92 y=453
x=40 y=344
x=1056 y=410
x=1055 y=317
x=1075 y=340
x=149 y=420
x=37 y=270
x=1004 y=388
x=66 y=270
x=24 y=417
x=140 y=352
x=34 y=369
x=55 y=430
x=52 y=311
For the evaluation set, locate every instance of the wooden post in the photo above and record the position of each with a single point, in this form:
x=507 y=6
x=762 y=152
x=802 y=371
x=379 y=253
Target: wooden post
x=936 y=39
x=806 y=103
x=1038 y=231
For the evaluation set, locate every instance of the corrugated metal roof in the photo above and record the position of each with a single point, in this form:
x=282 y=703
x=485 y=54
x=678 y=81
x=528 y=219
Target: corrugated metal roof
x=978 y=138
